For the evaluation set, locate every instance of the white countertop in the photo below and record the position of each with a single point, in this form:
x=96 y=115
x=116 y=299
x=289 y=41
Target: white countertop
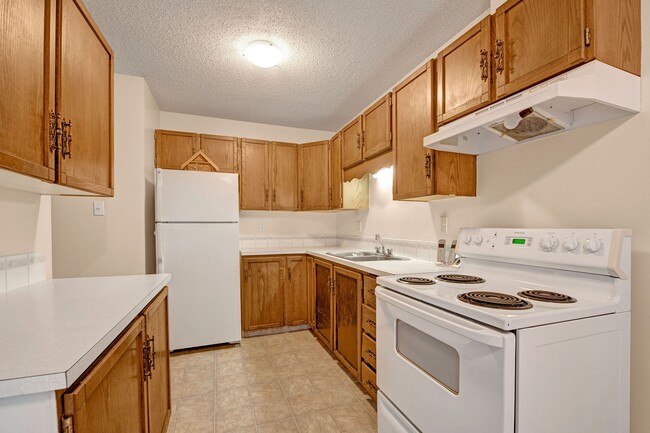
x=52 y=331
x=380 y=268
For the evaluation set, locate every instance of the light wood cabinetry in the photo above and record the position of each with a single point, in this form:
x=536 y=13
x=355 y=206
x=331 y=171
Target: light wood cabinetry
x=57 y=72
x=351 y=149
x=315 y=191
x=296 y=295
x=127 y=389
x=263 y=296
x=222 y=150
x=255 y=166
x=348 y=286
x=376 y=137
x=336 y=172
x=323 y=274
x=420 y=173
x=284 y=176
x=173 y=148
x=537 y=39
x=311 y=293
x=464 y=73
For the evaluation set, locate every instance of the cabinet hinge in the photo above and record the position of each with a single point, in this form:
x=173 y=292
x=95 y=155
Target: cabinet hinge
x=390 y=101
x=245 y=276
x=390 y=136
x=587 y=37
x=67 y=426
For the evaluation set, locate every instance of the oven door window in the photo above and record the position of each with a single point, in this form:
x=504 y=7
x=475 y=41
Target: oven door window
x=437 y=359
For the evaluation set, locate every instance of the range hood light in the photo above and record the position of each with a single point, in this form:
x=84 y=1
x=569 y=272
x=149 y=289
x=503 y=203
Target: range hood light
x=512 y=121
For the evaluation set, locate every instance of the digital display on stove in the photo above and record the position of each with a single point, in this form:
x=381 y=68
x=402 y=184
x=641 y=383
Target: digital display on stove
x=517 y=241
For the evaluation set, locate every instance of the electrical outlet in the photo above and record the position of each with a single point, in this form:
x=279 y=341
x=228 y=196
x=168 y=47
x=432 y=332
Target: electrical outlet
x=444 y=222
x=98 y=208
x=261 y=227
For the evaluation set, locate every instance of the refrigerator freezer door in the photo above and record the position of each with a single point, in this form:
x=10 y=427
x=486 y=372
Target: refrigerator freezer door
x=195 y=196
x=204 y=293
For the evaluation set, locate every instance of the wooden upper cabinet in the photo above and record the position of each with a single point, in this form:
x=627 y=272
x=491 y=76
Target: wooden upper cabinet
x=84 y=98
x=348 y=286
x=284 y=176
x=222 y=150
x=412 y=121
x=351 y=149
x=27 y=31
x=173 y=148
x=255 y=166
x=464 y=74
x=296 y=292
x=263 y=293
x=336 y=172
x=376 y=137
x=112 y=396
x=315 y=175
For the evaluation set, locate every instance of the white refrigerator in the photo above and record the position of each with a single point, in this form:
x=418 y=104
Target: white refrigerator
x=197 y=242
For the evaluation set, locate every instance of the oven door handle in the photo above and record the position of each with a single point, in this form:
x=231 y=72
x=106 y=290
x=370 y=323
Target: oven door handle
x=443 y=319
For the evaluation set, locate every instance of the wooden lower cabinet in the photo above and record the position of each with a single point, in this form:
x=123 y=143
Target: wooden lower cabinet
x=311 y=293
x=324 y=300
x=348 y=286
x=126 y=391
x=296 y=293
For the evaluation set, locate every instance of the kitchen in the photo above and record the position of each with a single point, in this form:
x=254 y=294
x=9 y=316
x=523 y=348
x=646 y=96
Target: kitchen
x=590 y=177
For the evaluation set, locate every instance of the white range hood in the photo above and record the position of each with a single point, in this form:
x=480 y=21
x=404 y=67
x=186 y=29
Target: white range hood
x=592 y=93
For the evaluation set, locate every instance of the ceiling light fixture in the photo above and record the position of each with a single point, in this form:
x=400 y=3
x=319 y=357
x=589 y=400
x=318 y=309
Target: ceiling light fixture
x=263 y=54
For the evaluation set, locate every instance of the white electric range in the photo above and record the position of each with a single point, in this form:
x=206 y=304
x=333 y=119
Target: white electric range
x=531 y=334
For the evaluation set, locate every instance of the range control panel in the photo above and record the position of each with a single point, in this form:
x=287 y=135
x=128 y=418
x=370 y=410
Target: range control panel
x=588 y=250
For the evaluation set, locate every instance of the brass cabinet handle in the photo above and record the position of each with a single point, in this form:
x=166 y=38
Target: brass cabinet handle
x=427 y=166
x=499 y=58
x=153 y=354
x=371 y=385
x=371 y=354
x=484 y=65
x=54 y=131
x=372 y=291
x=363 y=139
x=371 y=322
x=66 y=138
x=358 y=140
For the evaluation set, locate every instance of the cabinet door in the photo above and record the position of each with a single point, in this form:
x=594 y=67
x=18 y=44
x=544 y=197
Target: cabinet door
x=27 y=86
x=324 y=301
x=536 y=39
x=84 y=99
x=223 y=151
x=158 y=390
x=263 y=292
x=376 y=136
x=454 y=174
x=336 y=172
x=112 y=398
x=348 y=286
x=311 y=293
x=174 y=148
x=351 y=149
x=284 y=176
x=412 y=121
x=315 y=176
x=296 y=302
x=255 y=164
x=464 y=75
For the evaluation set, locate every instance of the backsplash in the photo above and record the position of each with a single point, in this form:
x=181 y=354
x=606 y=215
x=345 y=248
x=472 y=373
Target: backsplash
x=279 y=242
x=21 y=269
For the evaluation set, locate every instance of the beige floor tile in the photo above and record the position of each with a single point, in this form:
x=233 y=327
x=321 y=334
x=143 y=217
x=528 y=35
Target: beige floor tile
x=306 y=403
x=338 y=397
x=200 y=358
x=290 y=370
x=254 y=351
x=232 y=397
x=266 y=392
x=370 y=406
x=197 y=403
x=260 y=376
x=177 y=361
x=317 y=422
x=278 y=348
x=231 y=420
x=257 y=362
x=228 y=354
x=368 y=429
x=199 y=372
x=200 y=425
x=231 y=381
x=326 y=381
x=296 y=385
x=350 y=417
x=197 y=387
x=271 y=410
x=283 y=358
x=226 y=368
x=286 y=426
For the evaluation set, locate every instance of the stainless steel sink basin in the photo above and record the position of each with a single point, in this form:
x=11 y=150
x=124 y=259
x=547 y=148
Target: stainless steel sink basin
x=365 y=256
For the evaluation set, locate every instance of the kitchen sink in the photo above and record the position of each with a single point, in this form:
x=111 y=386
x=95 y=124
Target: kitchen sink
x=365 y=256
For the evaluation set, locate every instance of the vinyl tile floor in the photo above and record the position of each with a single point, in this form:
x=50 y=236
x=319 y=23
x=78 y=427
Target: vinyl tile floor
x=280 y=383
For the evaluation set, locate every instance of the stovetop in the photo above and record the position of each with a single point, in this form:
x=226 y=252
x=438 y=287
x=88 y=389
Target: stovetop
x=518 y=277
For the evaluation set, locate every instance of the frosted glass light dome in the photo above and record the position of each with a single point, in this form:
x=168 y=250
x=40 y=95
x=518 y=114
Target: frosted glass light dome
x=263 y=54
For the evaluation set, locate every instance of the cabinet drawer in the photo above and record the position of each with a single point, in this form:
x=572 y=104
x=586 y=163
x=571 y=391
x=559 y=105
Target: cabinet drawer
x=369 y=350
x=369 y=380
x=369 y=321
x=369 y=284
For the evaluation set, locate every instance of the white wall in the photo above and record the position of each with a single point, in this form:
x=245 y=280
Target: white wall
x=117 y=243
x=275 y=223
x=25 y=224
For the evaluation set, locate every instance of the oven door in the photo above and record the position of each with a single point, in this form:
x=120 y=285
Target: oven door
x=446 y=374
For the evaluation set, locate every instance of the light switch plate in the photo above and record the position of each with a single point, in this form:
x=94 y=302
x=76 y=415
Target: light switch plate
x=98 y=208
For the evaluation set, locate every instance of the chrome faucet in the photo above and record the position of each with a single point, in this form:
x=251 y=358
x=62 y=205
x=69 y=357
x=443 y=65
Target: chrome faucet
x=383 y=247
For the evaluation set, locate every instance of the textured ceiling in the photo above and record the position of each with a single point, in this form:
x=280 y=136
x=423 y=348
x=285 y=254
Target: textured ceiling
x=340 y=55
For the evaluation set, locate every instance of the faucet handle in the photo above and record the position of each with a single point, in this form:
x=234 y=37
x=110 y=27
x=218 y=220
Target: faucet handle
x=377 y=250
x=389 y=251
x=377 y=236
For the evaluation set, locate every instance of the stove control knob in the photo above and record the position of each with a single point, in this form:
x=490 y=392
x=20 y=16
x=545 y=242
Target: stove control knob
x=570 y=244
x=548 y=243
x=478 y=239
x=593 y=245
x=467 y=239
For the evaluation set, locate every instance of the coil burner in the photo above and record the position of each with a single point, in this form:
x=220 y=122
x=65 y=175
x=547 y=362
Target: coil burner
x=416 y=281
x=460 y=279
x=499 y=301
x=546 y=296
